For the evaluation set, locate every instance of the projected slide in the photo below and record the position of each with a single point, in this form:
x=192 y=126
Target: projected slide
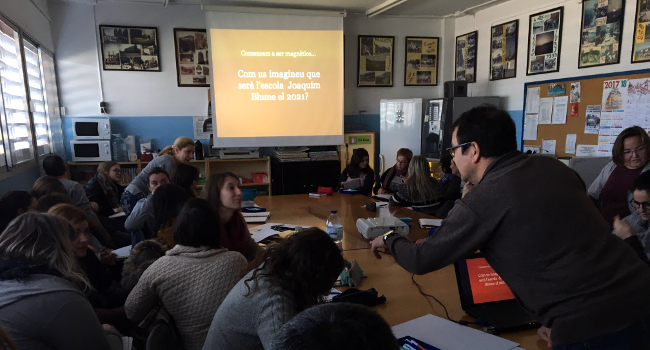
x=277 y=83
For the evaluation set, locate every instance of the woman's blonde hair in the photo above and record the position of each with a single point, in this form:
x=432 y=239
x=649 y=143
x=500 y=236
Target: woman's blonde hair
x=419 y=178
x=180 y=143
x=42 y=239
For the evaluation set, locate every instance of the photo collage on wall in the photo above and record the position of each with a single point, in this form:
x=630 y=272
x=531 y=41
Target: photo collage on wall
x=421 y=61
x=192 y=61
x=466 y=57
x=600 y=40
x=545 y=30
x=375 y=65
x=130 y=48
x=503 y=57
x=641 y=49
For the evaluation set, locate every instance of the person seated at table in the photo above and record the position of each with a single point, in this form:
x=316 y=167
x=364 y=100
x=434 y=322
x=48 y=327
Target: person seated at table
x=358 y=169
x=341 y=326
x=14 y=203
x=635 y=226
x=42 y=304
x=141 y=221
x=49 y=200
x=449 y=188
x=629 y=159
x=419 y=191
x=197 y=269
x=167 y=203
x=182 y=151
x=390 y=180
x=104 y=188
x=296 y=274
x=187 y=177
x=222 y=191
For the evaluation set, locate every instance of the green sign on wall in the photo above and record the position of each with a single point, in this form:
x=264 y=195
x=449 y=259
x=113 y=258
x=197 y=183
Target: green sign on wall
x=360 y=140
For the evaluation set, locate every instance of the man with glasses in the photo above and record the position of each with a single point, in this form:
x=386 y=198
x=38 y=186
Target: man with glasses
x=536 y=226
x=634 y=228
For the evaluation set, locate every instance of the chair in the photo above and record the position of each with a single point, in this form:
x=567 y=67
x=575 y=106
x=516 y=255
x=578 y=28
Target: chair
x=163 y=337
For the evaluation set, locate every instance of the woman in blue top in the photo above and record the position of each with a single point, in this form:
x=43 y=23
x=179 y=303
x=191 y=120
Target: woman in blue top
x=181 y=152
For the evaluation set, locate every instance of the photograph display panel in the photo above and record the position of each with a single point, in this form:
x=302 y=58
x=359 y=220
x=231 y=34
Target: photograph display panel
x=130 y=48
x=466 y=57
x=503 y=50
x=600 y=38
x=544 y=41
x=375 y=61
x=192 y=61
x=421 y=61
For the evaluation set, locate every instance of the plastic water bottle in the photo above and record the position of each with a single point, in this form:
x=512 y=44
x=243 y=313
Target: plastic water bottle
x=120 y=151
x=334 y=227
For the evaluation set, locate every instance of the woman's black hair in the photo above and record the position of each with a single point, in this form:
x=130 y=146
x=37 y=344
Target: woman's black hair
x=305 y=264
x=354 y=170
x=445 y=163
x=184 y=175
x=12 y=204
x=168 y=199
x=198 y=225
x=642 y=183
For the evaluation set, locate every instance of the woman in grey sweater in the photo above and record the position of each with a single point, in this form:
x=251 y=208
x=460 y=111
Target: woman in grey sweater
x=295 y=275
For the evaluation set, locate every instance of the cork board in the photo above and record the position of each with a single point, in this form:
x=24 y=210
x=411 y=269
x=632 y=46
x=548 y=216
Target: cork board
x=591 y=93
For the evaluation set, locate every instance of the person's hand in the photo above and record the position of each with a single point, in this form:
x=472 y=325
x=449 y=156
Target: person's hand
x=342 y=185
x=404 y=178
x=94 y=206
x=381 y=191
x=107 y=257
x=376 y=244
x=108 y=327
x=545 y=334
x=468 y=186
x=623 y=228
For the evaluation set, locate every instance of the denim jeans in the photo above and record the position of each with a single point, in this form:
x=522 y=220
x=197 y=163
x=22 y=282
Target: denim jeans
x=634 y=337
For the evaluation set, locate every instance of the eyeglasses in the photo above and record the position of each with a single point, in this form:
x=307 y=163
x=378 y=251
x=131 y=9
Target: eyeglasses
x=637 y=205
x=452 y=150
x=637 y=150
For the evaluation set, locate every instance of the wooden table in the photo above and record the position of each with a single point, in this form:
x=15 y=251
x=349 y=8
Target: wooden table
x=404 y=302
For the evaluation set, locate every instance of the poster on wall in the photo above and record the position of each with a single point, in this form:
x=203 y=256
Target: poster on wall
x=544 y=41
x=641 y=43
x=600 y=40
x=191 y=51
x=130 y=48
x=466 y=57
x=375 y=63
x=503 y=57
x=421 y=62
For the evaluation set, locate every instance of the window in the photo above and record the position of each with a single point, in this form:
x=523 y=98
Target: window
x=37 y=102
x=52 y=101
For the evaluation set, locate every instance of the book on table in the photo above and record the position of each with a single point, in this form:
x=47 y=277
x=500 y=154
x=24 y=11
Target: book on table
x=429 y=223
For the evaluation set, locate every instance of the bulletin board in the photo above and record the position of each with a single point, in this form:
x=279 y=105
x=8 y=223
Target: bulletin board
x=591 y=93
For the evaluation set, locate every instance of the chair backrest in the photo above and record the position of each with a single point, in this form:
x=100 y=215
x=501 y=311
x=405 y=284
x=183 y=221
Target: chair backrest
x=163 y=337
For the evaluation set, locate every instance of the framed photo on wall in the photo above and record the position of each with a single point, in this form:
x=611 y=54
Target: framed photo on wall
x=375 y=63
x=544 y=41
x=130 y=48
x=466 y=57
x=421 y=61
x=600 y=32
x=641 y=43
x=192 y=62
x=503 y=50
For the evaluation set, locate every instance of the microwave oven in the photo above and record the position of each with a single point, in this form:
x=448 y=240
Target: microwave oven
x=91 y=129
x=91 y=150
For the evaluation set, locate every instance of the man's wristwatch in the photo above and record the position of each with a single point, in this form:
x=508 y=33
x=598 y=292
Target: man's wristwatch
x=388 y=234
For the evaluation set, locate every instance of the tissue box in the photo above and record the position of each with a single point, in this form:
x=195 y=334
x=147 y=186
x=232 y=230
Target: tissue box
x=260 y=178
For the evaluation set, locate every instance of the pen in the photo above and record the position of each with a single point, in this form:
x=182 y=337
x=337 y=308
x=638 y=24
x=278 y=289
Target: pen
x=416 y=344
x=408 y=347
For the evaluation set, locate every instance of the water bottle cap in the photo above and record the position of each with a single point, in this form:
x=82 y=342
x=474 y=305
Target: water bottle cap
x=333 y=211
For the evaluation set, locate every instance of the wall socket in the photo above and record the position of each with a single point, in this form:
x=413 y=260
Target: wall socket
x=103 y=107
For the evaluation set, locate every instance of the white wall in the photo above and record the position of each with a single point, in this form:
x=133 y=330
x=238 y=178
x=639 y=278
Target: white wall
x=513 y=89
x=367 y=98
x=127 y=93
x=32 y=19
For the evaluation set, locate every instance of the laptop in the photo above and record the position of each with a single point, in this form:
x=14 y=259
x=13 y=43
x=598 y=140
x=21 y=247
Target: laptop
x=484 y=295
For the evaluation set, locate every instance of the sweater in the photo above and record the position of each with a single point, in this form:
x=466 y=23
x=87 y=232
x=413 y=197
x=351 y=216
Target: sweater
x=140 y=184
x=141 y=216
x=536 y=226
x=596 y=187
x=642 y=230
x=191 y=283
x=368 y=182
x=250 y=322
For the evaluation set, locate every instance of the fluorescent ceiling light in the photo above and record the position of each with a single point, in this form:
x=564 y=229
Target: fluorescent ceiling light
x=387 y=5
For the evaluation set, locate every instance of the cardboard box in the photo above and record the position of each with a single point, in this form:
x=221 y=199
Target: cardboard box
x=260 y=178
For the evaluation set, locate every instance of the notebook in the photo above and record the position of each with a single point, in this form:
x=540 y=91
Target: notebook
x=259 y=217
x=352 y=184
x=429 y=223
x=484 y=295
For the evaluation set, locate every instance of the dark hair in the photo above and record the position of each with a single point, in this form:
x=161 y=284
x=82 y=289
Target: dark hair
x=354 y=170
x=54 y=165
x=490 y=127
x=49 y=200
x=642 y=183
x=12 y=204
x=184 y=175
x=198 y=225
x=212 y=190
x=619 y=144
x=341 y=326
x=305 y=264
x=157 y=170
x=47 y=185
x=167 y=203
x=445 y=163
x=405 y=152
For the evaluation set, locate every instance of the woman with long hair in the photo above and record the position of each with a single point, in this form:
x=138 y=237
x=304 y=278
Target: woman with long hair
x=168 y=199
x=192 y=279
x=222 y=191
x=182 y=151
x=47 y=185
x=295 y=275
x=187 y=177
x=14 y=203
x=42 y=304
x=419 y=191
x=104 y=188
x=358 y=169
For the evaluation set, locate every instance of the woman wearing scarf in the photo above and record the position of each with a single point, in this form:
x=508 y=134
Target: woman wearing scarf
x=105 y=189
x=390 y=180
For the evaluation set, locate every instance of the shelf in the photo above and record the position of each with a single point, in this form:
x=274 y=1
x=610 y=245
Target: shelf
x=254 y=184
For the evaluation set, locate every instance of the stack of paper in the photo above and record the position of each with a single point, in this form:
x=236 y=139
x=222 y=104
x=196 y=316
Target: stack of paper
x=259 y=217
x=123 y=252
x=429 y=223
x=317 y=195
x=352 y=184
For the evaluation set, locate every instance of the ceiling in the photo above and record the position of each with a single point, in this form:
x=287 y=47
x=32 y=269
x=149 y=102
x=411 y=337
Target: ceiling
x=412 y=8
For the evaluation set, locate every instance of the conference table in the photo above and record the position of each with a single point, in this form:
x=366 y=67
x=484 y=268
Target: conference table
x=403 y=300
